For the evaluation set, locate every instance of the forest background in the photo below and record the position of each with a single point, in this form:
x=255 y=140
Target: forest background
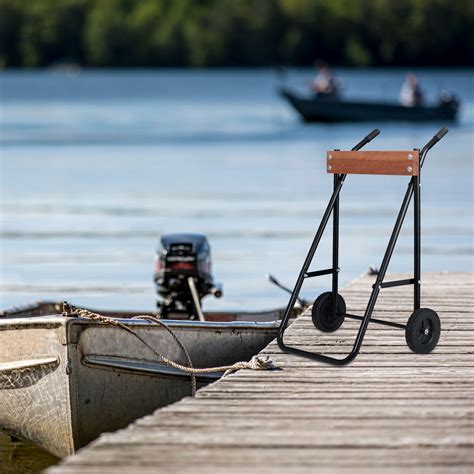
x=236 y=33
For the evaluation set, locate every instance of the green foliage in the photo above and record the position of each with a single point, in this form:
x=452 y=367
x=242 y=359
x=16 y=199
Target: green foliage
x=198 y=33
x=46 y=31
x=107 y=33
x=10 y=22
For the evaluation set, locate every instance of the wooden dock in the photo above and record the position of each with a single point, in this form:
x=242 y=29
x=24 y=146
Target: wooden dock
x=390 y=411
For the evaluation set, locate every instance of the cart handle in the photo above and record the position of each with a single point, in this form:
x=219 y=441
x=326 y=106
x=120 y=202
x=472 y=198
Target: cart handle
x=368 y=139
x=436 y=138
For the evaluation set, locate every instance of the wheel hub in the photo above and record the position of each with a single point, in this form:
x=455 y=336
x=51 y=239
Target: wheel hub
x=423 y=330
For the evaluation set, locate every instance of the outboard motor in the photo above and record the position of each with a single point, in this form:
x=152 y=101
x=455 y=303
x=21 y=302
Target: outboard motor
x=448 y=100
x=183 y=275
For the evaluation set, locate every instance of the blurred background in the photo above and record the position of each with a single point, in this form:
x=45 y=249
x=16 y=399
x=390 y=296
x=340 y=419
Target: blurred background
x=122 y=120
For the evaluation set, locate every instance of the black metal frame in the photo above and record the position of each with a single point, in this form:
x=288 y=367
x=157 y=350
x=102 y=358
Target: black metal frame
x=333 y=208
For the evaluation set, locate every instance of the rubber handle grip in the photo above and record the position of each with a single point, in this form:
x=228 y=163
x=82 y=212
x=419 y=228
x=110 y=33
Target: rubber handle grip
x=372 y=134
x=367 y=139
x=441 y=133
x=435 y=139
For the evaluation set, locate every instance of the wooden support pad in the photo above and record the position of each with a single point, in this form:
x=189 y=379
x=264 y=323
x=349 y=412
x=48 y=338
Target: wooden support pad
x=401 y=163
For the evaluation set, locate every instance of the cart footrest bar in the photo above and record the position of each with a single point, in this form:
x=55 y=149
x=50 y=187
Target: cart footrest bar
x=377 y=321
x=390 y=284
x=328 y=271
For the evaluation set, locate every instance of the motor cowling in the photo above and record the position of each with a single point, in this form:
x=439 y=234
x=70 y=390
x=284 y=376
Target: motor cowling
x=448 y=100
x=180 y=257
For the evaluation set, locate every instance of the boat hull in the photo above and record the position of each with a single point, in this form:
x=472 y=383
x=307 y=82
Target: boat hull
x=333 y=110
x=64 y=381
x=34 y=390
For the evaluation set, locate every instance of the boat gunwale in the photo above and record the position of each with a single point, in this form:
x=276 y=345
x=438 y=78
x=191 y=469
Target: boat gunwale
x=17 y=313
x=44 y=322
x=56 y=321
x=358 y=102
x=185 y=324
x=317 y=109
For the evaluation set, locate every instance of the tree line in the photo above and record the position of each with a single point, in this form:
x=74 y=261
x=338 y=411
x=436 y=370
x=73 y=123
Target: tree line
x=243 y=33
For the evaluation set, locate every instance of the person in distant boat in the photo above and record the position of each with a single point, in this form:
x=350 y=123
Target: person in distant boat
x=325 y=84
x=411 y=94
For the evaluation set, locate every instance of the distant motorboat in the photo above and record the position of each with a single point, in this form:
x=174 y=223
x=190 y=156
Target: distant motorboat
x=333 y=109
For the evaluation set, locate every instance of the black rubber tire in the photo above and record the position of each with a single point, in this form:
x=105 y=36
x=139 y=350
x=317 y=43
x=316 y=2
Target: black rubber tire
x=423 y=331
x=322 y=313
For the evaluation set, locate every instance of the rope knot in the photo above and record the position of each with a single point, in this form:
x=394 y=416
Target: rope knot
x=255 y=363
x=261 y=363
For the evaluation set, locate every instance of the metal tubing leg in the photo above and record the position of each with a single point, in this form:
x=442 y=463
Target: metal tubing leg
x=417 y=244
x=309 y=258
x=335 y=249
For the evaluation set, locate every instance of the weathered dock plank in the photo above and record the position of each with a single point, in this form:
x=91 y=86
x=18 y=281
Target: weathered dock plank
x=389 y=411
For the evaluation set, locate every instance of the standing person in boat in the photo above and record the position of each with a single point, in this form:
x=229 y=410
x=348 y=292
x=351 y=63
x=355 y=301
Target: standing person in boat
x=411 y=94
x=325 y=84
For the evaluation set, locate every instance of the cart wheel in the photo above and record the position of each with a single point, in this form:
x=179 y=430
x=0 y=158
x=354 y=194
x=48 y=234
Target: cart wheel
x=322 y=314
x=423 y=331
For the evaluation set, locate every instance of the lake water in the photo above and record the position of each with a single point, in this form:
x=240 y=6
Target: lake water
x=96 y=166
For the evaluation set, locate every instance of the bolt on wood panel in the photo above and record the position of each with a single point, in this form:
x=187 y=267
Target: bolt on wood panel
x=400 y=163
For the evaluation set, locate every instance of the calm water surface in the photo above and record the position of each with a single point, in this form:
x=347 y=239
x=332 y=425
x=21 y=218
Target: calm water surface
x=22 y=458
x=96 y=166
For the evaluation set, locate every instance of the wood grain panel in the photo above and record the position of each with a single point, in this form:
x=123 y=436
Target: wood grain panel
x=401 y=163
